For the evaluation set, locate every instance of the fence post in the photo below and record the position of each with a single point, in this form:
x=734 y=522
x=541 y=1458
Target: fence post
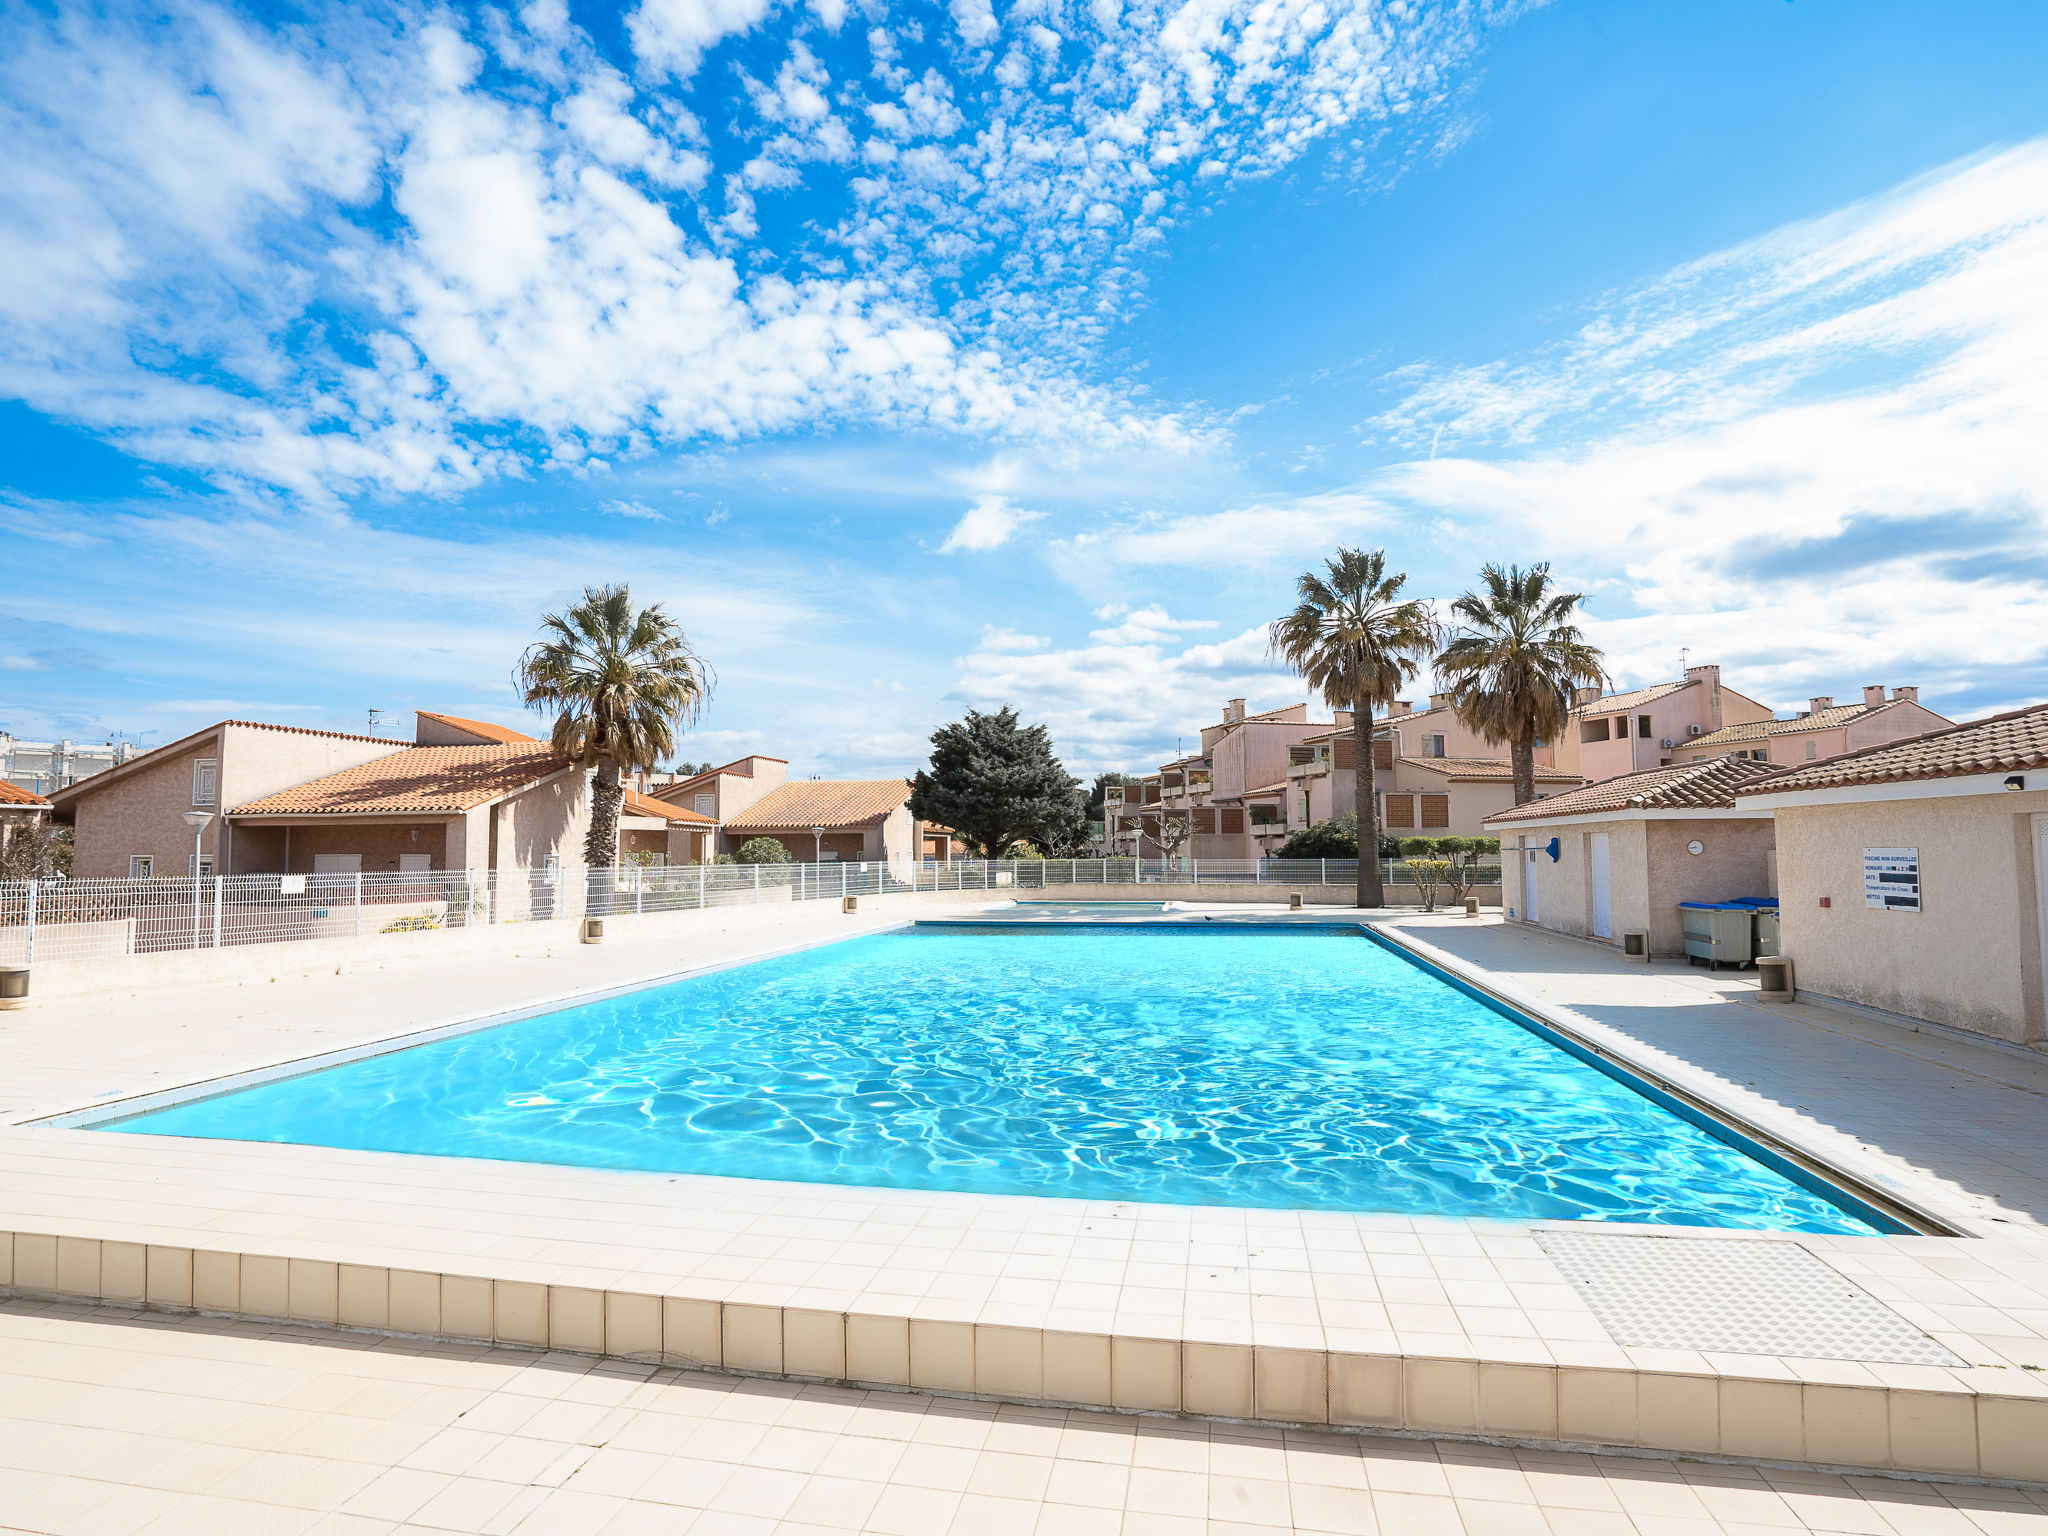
x=220 y=892
x=700 y=887
x=757 y=880
x=359 y=904
x=1325 y=880
x=1194 y=871
x=33 y=887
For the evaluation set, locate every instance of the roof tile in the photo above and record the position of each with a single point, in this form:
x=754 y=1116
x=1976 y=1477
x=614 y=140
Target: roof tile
x=503 y=734
x=14 y=794
x=1486 y=768
x=1708 y=786
x=1756 y=730
x=822 y=803
x=1614 y=703
x=433 y=780
x=1996 y=744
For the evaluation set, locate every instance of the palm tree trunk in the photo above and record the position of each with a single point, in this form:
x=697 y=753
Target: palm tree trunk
x=601 y=843
x=1522 y=758
x=1370 y=892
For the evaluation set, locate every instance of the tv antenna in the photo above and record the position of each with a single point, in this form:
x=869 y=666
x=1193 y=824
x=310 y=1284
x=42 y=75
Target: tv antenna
x=375 y=716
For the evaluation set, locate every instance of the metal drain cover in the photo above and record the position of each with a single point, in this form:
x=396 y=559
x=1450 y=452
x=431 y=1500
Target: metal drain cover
x=1732 y=1297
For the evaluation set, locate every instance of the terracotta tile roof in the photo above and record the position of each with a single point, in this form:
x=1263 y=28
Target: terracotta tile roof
x=503 y=734
x=1615 y=703
x=638 y=804
x=14 y=794
x=1757 y=730
x=434 y=780
x=825 y=803
x=1996 y=744
x=1486 y=768
x=1708 y=786
x=1268 y=789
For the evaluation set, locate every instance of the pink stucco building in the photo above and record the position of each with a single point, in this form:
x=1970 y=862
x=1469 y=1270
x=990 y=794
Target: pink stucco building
x=1822 y=730
x=1612 y=734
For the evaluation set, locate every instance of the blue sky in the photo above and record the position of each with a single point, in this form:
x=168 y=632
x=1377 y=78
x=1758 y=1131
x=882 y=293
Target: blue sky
x=920 y=358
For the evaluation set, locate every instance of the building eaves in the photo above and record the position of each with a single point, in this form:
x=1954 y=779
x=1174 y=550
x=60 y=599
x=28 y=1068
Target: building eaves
x=2003 y=743
x=1485 y=768
x=423 y=780
x=1618 y=703
x=1711 y=785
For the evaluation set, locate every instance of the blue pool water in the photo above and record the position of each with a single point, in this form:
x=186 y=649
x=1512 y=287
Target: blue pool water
x=1293 y=1069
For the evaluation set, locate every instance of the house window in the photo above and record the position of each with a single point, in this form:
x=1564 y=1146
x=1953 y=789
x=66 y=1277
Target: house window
x=1436 y=810
x=1400 y=810
x=1304 y=810
x=205 y=867
x=204 y=771
x=1433 y=746
x=1812 y=750
x=1383 y=755
x=707 y=805
x=1230 y=820
x=141 y=867
x=1643 y=726
x=1205 y=821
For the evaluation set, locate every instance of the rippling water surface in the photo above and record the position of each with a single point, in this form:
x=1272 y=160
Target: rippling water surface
x=1293 y=1069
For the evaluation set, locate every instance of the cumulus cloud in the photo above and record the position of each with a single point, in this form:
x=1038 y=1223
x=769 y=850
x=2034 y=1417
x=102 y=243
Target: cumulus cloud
x=368 y=267
x=986 y=525
x=1816 y=456
x=1113 y=702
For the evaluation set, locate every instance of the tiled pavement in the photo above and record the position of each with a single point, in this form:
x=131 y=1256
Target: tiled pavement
x=114 y=1422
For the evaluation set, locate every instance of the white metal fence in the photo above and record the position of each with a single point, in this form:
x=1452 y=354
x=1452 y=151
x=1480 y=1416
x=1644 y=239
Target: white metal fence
x=60 y=920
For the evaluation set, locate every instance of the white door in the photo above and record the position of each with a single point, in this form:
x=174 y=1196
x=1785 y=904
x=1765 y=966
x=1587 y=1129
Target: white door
x=337 y=863
x=2041 y=884
x=1529 y=885
x=415 y=863
x=1603 y=891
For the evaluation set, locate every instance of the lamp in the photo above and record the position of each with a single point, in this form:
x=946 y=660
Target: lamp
x=818 y=852
x=2016 y=781
x=197 y=821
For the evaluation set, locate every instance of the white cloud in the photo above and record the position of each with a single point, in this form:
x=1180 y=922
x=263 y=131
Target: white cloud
x=1120 y=701
x=986 y=525
x=672 y=36
x=535 y=305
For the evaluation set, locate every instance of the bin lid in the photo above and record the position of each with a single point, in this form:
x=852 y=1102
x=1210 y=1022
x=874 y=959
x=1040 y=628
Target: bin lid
x=1715 y=906
x=1755 y=901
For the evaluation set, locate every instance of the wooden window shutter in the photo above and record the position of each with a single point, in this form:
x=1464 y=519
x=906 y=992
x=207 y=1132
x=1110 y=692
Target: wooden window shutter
x=1400 y=810
x=1436 y=810
x=1205 y=820
x=1383 y=755
x=1231 y=819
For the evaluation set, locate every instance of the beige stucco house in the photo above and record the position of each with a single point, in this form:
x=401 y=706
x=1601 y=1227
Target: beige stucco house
x=1913 y=876
x=1823 y=729
x=1622 y=854
x=724 y=792
x=833 y=820
x=288 y=800
x=1433 y=795
x=1612 y=734
x=128 y=821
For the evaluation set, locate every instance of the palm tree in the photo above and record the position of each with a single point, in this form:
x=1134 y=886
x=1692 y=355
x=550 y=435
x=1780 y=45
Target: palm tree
x=624 y=682
x=1514 y=658
x=1356 y=640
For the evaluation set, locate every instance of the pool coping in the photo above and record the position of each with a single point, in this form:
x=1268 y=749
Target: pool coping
x=1913 y=1421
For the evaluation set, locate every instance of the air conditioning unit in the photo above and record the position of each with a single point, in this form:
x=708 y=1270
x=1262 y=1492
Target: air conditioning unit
x=1692 y=730
x=1668 y=743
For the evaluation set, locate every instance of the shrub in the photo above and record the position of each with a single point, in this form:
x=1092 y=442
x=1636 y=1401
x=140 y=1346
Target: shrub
x=1334 y=839
x=763 y=850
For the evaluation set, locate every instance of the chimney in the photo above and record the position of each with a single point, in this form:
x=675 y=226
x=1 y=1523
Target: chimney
x=1905 y=695
x=1233 y=712
x=1399 y=707
x=1587 y=694
x=1873 y=696
x=1439 y=700
x=1343 y=719
x=1819 y=702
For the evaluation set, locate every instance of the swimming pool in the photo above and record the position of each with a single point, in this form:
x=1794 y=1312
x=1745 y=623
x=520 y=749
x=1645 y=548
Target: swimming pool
x=1283 y=1068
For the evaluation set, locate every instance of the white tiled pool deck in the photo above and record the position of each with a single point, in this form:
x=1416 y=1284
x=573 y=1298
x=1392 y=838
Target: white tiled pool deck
x=1433 y=1327
x=115 y=1422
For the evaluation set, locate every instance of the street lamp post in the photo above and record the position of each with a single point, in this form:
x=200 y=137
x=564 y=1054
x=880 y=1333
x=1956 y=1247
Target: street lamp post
x=197 y=821
x=818 y=839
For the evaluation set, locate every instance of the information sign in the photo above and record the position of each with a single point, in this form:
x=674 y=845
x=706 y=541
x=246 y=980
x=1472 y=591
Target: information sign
x=1891 y=878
